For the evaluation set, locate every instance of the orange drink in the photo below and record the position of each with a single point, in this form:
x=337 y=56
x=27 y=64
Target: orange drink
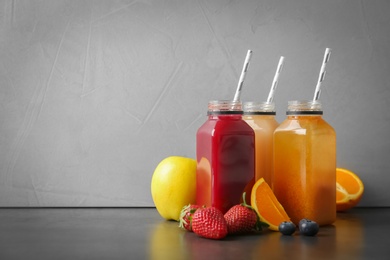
x=305 y=164
x=261 y=117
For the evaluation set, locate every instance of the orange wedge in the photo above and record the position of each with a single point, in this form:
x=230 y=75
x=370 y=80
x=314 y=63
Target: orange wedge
x=349 y=189
x=267 y=206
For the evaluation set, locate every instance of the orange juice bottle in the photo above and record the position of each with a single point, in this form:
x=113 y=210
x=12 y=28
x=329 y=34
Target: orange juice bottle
x=305 y=164
x=261 y=117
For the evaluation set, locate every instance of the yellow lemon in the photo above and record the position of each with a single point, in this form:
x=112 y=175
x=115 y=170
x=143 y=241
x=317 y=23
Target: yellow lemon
x=173 y=186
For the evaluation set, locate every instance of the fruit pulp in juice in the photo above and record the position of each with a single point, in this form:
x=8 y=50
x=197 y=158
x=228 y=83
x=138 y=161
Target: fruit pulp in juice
x=264 y=127
x=225 y=155
x=305 y=168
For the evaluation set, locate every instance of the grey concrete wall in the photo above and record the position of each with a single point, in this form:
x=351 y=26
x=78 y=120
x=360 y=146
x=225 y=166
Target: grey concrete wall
x=94 y=94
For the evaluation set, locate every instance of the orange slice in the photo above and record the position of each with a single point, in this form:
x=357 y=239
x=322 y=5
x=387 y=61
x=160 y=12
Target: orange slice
x=349 y=189
x=264 y=201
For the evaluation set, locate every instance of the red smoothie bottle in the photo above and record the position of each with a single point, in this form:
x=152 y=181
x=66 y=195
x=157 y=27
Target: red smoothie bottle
x=225 y=151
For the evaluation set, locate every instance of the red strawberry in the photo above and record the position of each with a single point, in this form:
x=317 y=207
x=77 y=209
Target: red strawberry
x=242 y=219
x=186 y=216
x=209 y=223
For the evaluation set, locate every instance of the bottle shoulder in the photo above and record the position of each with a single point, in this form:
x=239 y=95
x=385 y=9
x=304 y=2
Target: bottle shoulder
x=262 y=123
x=231 y=126
x=314 y=123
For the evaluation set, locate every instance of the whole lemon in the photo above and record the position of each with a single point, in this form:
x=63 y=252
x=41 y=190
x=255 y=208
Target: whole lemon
x=173 y=186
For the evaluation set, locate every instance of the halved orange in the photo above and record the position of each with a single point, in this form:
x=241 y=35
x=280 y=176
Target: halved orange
x=267 y=206
x=349 y=189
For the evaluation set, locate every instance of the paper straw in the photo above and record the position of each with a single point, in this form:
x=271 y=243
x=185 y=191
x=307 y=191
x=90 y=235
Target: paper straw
x=242 y=77
x=321 y=76
x=276 y=80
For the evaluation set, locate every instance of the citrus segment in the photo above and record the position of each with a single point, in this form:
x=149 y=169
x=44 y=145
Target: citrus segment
x=267 y=206
x=349 y=189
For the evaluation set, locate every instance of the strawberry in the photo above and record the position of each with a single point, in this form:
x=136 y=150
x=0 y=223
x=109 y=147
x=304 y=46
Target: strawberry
x=209 y=223
x=186 y=216
x=242 y=218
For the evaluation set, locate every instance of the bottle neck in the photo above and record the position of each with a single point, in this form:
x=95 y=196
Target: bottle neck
x=224 y=108
x=304 y=108
x=259 y=108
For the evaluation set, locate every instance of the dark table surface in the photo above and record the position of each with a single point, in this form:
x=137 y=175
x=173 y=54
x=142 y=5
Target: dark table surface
x=140 y=233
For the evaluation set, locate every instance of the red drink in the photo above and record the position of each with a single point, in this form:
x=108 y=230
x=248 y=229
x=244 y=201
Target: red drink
x=225 y=150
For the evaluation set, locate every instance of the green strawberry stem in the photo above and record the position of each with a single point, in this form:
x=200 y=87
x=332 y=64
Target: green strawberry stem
x=186 y=209
x=182 y=221
x=259 y=224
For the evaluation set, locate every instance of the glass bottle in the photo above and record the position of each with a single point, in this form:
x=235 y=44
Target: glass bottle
x=305 y=164
x=261 y=117
x=225 y=154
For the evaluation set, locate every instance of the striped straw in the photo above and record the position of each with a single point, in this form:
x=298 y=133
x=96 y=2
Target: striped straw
x=275 y=81
x=242 y=76
x=321 y=76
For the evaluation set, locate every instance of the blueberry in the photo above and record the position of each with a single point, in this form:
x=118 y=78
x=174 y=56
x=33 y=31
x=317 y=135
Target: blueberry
x=308 y=227
x=287 y=228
